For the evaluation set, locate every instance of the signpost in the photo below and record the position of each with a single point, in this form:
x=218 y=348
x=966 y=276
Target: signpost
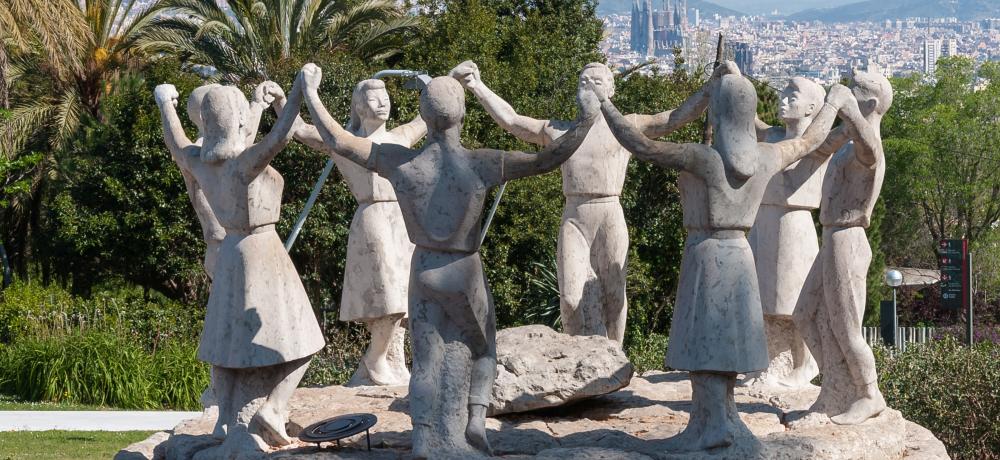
x=955 y=262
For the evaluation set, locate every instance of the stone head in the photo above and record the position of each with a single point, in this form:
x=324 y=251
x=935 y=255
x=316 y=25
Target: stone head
x=369 y=101
x=224 y=115
x=194 y=106
x=873 y=92
x=442 y=104
x=600 y=76
x=801 y=99
x=733 y=109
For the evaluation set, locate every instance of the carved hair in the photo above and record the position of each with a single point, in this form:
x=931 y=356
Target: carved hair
x=442 y=103
x=224 y=113
x=811 y=92
x=194 y=103
x=733 y=110
x=358 y=98
x=870 y=85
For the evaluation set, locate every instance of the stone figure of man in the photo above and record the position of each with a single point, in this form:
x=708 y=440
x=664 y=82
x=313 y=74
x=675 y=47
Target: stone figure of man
x=441 y=189
x=832 y=305
x=783 y=238
x=377 y=270
x=260 y=330
x=593 y=238
x=717 y=330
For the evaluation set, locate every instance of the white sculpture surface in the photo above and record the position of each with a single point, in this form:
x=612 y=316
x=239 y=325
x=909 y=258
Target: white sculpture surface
x=832 y=305
x=784 y=241
x=260 y=330
x=593 y=238
x=717 y=330
x=441 y=190
x=377 y=270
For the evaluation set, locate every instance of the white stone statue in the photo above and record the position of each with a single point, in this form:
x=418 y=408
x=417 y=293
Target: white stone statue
x=441 y=190
x=593 y=238
x=717 y=330
x=377 y=271
x=783 y=239
x=260 y=330
x=832 y=305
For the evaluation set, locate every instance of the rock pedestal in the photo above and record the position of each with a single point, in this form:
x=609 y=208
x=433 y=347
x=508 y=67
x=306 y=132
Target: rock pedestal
x=628 y=424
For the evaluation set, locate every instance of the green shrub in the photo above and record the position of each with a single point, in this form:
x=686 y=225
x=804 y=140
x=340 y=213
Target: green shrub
x=646 y=352
x=335 y=363
x=950 y=389
x=103 y=369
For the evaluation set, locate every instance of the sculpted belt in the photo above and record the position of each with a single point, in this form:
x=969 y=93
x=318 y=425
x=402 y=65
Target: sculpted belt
x=590 y=199
x=720 y=234
x=252 y=231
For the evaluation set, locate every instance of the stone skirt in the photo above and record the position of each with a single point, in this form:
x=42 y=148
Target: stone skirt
x=784 y=244
x=718 y=324
x=258 y=312
x=377 y=271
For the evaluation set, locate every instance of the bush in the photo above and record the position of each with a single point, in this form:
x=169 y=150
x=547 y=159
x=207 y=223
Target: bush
x=646 y=352
x=950 y=389
x=104 y=369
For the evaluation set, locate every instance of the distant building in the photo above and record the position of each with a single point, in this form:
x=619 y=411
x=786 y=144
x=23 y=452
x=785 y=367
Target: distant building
x=697 y=18
x=949 y=47
x=657 y=33
x=743 y=56
x=932 y=51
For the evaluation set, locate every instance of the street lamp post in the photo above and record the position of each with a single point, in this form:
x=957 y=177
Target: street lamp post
x=894 y=279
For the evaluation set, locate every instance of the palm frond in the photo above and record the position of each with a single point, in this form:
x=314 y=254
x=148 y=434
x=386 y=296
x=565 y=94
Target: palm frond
x=23 y=123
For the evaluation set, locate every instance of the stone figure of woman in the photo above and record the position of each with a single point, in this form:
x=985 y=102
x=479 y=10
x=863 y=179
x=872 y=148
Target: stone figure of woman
x=260 y=330
x=717 y=330
x=441 y=189
x=377 y=270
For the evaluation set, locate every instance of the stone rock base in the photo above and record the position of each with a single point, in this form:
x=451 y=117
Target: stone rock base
x=625 y=425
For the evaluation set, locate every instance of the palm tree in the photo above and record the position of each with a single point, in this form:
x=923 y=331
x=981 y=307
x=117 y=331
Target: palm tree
x=247 y=39
x=78 y=48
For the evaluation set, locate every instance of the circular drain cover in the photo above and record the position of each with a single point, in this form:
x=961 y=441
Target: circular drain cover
x=337 y=428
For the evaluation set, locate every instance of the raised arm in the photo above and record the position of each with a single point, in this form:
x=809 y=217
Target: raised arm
x=791 y=150
x=181 y=148
x=665 y=154
x=522 y=164
x=261 y=100
x=525 y=128
x=834 y=141
x=347 y=145
x=412 y=131
x=763 y=129
x=862 y=133
x=259 y=155
x=664 y=123
x=303 y=132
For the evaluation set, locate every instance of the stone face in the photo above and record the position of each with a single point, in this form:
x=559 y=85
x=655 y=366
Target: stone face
x=593 y=237
x=441 y=189
x=832 y=304
x=259 y=327
x=717 y=329
x=627 y=424
x=538 y=368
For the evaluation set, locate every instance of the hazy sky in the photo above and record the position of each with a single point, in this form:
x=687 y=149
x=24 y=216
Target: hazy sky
x=783 y=6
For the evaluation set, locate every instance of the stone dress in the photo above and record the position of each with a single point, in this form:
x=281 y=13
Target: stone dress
x=258 y=312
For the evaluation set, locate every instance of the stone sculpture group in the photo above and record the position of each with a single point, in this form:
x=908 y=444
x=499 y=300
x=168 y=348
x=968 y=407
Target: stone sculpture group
x=757 y=295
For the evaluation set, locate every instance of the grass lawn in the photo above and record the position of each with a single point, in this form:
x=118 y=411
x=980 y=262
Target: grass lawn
x=65 y=445
x=11 y=403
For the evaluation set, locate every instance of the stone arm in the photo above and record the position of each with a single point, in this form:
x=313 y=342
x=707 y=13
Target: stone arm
x=412 y=131
x=834 y=141
x=180 y=147
x=664 y=123
x=304 y=132
x=763 y=129
x=862 y=133
x=334 y=136
x=255 y=158
x=524 y=128
x=257 y=107
x=791 y=150
x=665 y=154
x=523 y=164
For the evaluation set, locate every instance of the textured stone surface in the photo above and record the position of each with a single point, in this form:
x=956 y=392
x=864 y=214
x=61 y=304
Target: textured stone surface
x=628 y=424
x=538 y=367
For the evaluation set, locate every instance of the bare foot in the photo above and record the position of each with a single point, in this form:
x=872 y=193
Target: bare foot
x=238 y=445
x=270 y=426
x=475 y=433
x=861 y=410
x=220 y=429
x=800 y=376
x=421 y=449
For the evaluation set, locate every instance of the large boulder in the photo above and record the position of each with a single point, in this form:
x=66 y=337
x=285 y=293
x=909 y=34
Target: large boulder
x=538 y=368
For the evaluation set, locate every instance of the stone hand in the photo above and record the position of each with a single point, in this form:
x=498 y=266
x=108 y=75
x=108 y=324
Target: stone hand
x=311 y=76
x=590 y=103
x=839 y=96
x=268 y=92
x=726 y=68
x=166 y=94
x=467 y=73
x=598 y=91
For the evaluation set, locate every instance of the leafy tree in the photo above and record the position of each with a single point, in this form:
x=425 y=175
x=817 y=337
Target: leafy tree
x=246 y=40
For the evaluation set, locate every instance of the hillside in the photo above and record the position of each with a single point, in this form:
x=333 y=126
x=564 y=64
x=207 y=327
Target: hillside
x=880 y=10
x=605 y=7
